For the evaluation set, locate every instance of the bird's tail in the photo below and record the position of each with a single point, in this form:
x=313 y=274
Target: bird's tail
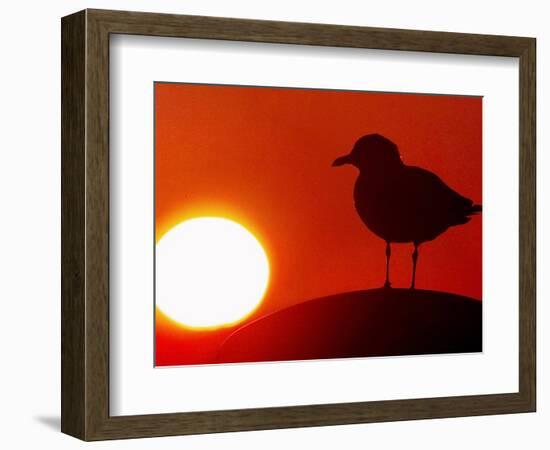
x=474 y=209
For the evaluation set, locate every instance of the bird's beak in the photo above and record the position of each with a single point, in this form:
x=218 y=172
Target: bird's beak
x=341 y=161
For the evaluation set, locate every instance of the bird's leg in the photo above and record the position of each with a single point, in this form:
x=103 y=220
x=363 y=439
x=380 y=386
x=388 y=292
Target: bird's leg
x=415 y=259
x=388 y=254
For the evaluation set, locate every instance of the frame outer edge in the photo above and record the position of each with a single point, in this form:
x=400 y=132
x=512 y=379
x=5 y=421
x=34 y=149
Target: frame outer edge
x=73 y=227
x=527 y=232
x=85 y=225
x=306 y=33
x=97 y=226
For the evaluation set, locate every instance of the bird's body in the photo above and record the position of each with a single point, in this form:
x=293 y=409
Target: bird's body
x=401 y=203
x=409 y=204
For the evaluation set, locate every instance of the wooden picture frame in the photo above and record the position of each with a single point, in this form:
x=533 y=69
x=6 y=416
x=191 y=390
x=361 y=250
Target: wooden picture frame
x=85 y=224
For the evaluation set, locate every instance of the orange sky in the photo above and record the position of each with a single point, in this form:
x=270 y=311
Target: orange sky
x=262 y=157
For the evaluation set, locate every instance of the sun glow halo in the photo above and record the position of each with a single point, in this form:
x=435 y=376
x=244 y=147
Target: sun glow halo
x=210 y=272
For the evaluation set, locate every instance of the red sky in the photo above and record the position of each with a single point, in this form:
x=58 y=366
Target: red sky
x=262 y=157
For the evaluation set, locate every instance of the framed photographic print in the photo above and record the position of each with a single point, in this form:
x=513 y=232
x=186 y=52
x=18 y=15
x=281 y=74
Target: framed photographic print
x=271 y=224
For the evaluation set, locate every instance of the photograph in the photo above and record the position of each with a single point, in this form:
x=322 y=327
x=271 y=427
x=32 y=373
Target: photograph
x=305 y=224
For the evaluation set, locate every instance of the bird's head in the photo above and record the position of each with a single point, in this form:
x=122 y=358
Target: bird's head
x=372 y=152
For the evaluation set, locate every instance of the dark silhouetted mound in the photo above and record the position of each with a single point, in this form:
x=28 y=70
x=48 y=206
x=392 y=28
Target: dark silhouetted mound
x=379 y=322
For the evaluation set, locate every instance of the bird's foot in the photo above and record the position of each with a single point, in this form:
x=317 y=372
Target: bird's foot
x=387 y=285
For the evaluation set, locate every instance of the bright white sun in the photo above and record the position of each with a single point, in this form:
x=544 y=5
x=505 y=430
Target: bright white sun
x=209 y=272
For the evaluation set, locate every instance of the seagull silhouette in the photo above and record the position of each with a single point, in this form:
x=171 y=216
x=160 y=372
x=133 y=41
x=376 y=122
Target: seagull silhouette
x=401 y=203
